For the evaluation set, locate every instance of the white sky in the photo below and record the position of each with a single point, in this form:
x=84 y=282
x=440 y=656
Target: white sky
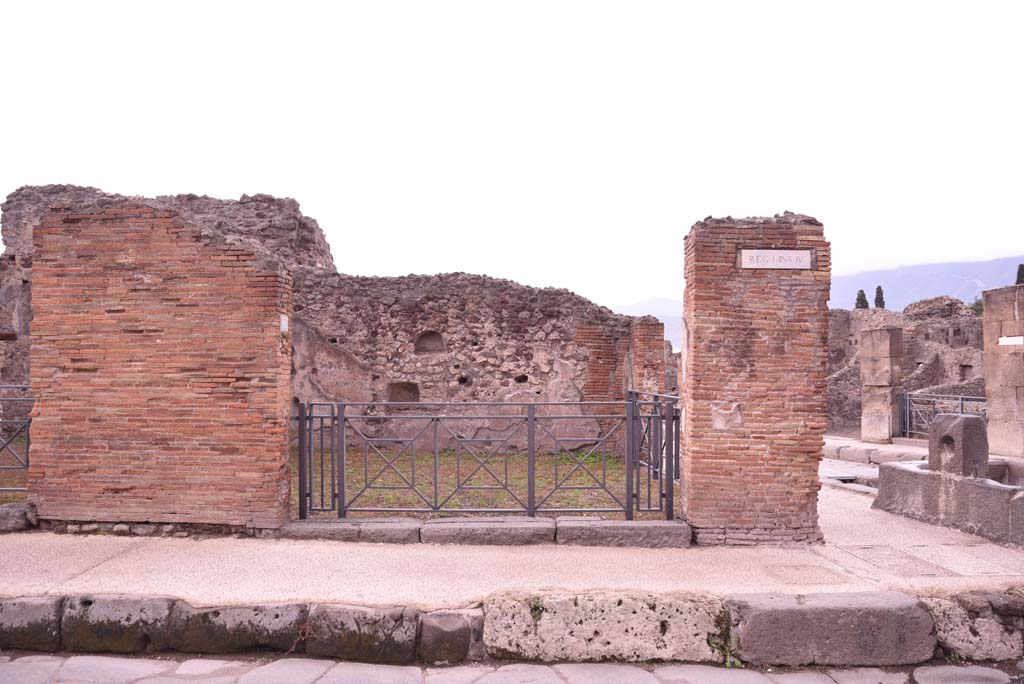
x=554 y=143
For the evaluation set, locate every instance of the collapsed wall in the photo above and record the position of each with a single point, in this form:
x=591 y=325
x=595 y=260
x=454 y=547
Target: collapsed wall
x=942 y=353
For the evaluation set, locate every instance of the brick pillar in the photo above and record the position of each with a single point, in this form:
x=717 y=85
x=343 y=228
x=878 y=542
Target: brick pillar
x=754 y=354
x=1004 y=369
x=647 y=355
x=881 y=352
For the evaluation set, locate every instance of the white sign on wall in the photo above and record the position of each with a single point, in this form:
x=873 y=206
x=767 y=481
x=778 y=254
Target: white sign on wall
x=776 y=258
x=1011 y=341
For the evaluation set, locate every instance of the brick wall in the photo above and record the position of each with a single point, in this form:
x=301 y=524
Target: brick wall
x=1004 y=369
x=161 y=374
x=647 y=355
x=755 y=352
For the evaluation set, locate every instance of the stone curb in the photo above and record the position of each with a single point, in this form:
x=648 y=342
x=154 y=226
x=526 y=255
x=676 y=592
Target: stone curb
x=870 y=629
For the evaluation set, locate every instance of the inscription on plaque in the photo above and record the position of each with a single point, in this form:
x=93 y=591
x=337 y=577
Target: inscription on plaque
x=776 y=258
x=1011 y=341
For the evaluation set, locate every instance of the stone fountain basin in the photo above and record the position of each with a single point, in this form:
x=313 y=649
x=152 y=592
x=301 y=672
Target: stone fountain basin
x=990 y=507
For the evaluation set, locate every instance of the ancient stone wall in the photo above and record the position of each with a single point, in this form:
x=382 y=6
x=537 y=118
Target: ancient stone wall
x=1004 y=369
x=755 y=359
x=942 y=350
x=160 y=366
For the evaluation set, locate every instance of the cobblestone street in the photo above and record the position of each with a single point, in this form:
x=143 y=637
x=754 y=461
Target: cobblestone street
x=47 y=669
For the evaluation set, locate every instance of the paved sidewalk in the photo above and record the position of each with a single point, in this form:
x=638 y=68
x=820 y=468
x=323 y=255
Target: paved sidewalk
x=120 y=670
x=865 y=550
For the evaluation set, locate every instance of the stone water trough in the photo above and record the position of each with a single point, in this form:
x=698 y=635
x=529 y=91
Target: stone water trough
x=958 y=486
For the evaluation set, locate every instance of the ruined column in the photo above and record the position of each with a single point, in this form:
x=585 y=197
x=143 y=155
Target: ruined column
x=755 y=349
x=881 y=351
x=1004 y=369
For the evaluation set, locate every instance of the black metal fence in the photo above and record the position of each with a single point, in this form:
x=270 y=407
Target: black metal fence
x=15 y=436
x=501 y=458
x=917 y=411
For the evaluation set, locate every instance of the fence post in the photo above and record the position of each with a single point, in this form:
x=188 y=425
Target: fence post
x=630 y=447
x=341 y=457
x=531 y=461
x=302 y=461
x=667 y=477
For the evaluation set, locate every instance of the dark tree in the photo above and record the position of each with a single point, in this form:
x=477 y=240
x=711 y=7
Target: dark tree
x=978 y=306
x=1020 y=274
x=862 y=300
x=879 y=297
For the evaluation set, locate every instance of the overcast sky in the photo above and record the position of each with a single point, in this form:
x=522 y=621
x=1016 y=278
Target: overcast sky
x=555 y=143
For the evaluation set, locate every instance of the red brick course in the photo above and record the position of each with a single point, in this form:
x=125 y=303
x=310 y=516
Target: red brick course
x=161 y=374
x=754 y=357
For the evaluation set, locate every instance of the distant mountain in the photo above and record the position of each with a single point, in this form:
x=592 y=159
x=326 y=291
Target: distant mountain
x=908 y=284
x=902 y=286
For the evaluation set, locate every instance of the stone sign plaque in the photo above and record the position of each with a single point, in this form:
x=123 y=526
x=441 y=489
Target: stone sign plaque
x=799 y=259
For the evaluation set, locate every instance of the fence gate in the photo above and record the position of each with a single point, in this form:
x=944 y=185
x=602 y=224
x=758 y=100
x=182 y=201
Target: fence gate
x=529 y=458
x=15 y=439
x=917 y=411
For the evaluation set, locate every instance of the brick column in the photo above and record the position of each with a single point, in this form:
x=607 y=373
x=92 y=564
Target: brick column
x=1004 y=369
x=881 y=352
x=754 y=354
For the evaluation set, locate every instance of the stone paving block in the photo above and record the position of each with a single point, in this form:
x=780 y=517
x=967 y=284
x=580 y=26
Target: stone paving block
x=369 y=635
x=372 y=530
x=958 y=444
x=111 y=670
x=233 y=629
x=209 y=666
x=799 y=678
x=363 y=673
x=604 y=673
x=467 y=674
x=972 y=630
x=652 y=534
x=621 y=625
x=499 y=531
x=290 y=670
x=174 y=679
x=864 y=628
x=706 y=674
x=115 y=624
x=521 y=674
x=951 y=674
x=451 y=636
x=31 y=623
x=25 y=671
x=868 y=675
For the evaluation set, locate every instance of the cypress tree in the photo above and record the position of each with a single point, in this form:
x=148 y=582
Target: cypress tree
x=879 y=297
x=862 y=300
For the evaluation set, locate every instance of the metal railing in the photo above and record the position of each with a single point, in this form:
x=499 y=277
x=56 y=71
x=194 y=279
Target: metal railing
x=489 y=457
x=917 y=411
x=15 y=433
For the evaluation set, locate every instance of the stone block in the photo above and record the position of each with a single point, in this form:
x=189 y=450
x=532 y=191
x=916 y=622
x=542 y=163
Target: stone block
x=115 y=624
x=489 y=531
x=983 y=507
x=1016 y=531
x=604 y=673
x=879 y=416
x=865 y=628
x=451 y=636
x=233 y=629
x=373 y=530
x=626 y=626
x=652 y=534
x=876 y=372
x=31 y=623
x=369 y=635
x=18 y=516
x=971 y=630
x=706 y=674
x=364 y=673
x=881 y=343
x=110 y=670
x=958 y=444
x=909 y=489
x=1001 y=304
x=287 y=671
